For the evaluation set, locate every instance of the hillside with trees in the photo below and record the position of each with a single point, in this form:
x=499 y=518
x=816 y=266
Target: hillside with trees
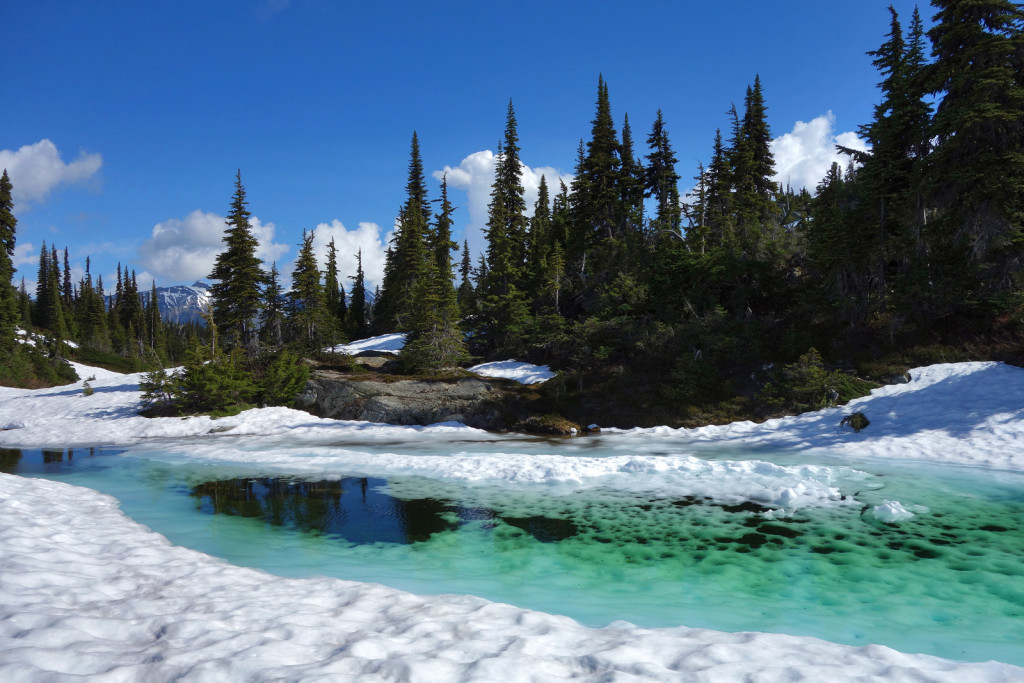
x=659 y=301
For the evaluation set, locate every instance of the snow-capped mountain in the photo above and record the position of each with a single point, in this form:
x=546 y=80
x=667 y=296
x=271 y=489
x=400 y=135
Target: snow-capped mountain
x=181 y=303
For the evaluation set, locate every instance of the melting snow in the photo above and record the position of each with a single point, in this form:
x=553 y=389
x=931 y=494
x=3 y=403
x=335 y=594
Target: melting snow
x=84 y=591
x=386 y=343
x=524 y=373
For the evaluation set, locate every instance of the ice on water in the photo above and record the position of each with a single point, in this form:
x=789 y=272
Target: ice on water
x=86 y=591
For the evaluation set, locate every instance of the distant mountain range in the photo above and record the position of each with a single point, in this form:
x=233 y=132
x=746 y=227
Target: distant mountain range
x=187 y=303
x=181 y=303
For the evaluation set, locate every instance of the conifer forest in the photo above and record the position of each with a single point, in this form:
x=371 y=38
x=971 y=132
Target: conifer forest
x=662 y=295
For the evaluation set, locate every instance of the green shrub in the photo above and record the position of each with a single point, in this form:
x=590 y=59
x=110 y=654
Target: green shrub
x=224 y=385
x=807 y=385
x=855 y=421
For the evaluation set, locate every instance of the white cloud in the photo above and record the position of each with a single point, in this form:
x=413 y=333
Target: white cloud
x=36 y=169
x=348 y=242
x=804 y=155
x=184 y=250
x=475 y=175
x=25 y=253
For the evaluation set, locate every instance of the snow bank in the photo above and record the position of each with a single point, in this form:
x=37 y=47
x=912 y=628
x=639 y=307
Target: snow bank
x=966 y=413
x=87 y=592
x=727 y=481
x=524 y=373
x=386 y=343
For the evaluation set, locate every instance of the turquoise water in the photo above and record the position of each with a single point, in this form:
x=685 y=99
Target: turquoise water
x=948 y=582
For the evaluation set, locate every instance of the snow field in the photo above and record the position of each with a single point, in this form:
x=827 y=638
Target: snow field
x=88 y=592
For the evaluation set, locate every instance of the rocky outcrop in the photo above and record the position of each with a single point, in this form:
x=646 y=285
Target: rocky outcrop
x=475 y=402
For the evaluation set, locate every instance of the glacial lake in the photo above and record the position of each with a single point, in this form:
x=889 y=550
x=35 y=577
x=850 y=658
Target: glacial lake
x=948 y=581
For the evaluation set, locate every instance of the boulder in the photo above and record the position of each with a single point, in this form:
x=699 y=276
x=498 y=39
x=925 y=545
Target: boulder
x=474 y=402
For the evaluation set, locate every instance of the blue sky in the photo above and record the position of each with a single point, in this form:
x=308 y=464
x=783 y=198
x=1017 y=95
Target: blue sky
x=123 y=123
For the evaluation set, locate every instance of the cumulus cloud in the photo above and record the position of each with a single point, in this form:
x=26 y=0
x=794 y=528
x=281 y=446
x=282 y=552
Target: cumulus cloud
x=184 y=250
x=475 y=175
x=37 y=169
x=348 y=242
x=25 y=253
x=804 y=155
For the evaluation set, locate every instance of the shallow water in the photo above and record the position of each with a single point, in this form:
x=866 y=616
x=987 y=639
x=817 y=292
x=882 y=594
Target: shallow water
x=948 y=581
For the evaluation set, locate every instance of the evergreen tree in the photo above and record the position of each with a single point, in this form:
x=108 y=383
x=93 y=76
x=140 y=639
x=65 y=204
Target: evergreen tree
x=92 y=312
x=238 y=277
x=539 y=242
x=358 y=319
x=100 y=317
x=661 y=182
x=273 y=311
x=977 y=167
x=434 y=340
x=890 y=206
x=631 y=188
x=466 y=292
x=752 y=169
x=48 y=309
x=501 y=300
x=155 y=326
x=10 y=308
x=406 y=260
x=600 y=173
x=308 y=315
x=24 y=304
x=334 y=293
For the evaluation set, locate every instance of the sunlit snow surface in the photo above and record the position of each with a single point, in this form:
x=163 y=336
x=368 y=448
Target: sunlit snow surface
x=385 y=343
x=84 y=590
x=524 y=373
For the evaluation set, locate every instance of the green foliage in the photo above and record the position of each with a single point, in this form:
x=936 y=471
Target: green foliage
x=238 y=277
x=405 y=260
x=216 y=385
x=808 y=385
x=226 y=384
x=160 y=390
x=855 y=421
x=42 y=365
x=279 y=378
x=310 y=322
x=87 y=389
x=435 y=340
x=10 y=308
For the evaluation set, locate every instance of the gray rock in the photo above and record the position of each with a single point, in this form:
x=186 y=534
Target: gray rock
x=405 y=402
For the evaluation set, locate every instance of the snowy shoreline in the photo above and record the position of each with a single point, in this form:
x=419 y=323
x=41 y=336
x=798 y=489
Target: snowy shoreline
x=86 y=591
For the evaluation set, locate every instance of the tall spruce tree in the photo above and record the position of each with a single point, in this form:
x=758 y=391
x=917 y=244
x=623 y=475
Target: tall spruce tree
x=273 y=311
x=308 y=317
x=539 y=240
x=600 y=173
x=238 y=277
x=890 y=209
x=358 y=319
x=154 y=325
x=10 y=310
x=48 y=309
x=434 y=339
x=661 y=182
x=466 y=292
x=501 y=300
x=406 y=260
x=631 y=189
x=752 y=169
x=976 y=171
x=334 y=294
